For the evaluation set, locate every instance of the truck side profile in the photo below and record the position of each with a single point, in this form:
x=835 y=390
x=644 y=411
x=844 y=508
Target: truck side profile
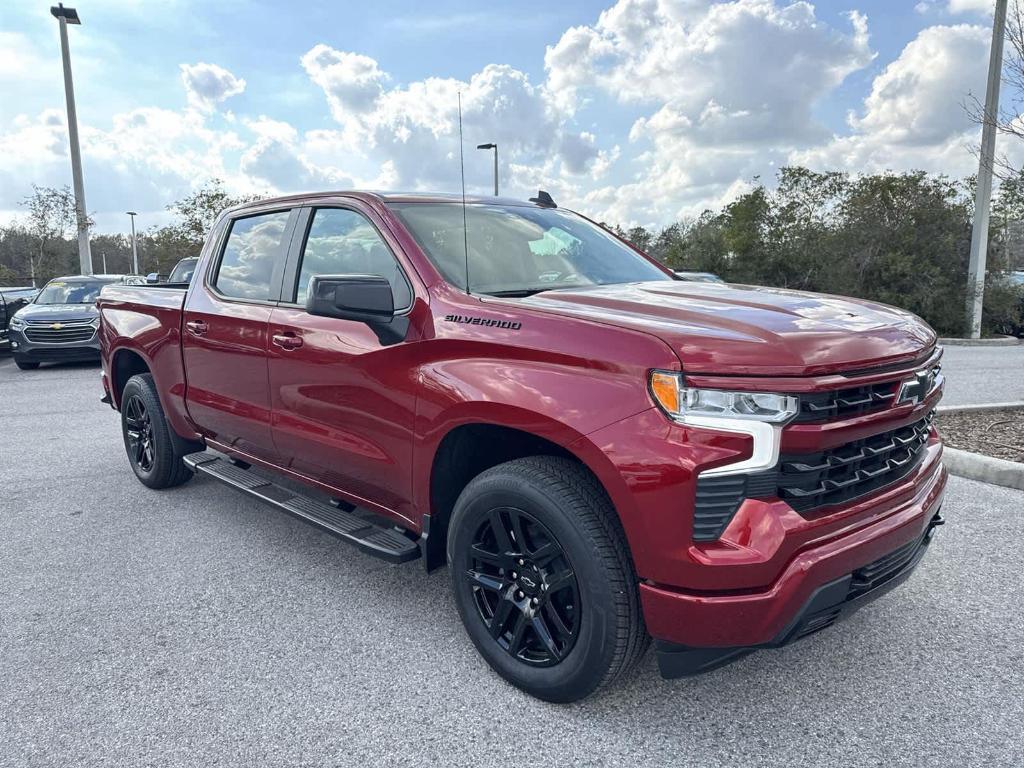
x=600 y=452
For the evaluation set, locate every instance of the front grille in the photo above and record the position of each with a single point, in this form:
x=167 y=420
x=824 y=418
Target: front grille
x=846 y=403
x=811 y=481
x=66 y=334
x=814 y=480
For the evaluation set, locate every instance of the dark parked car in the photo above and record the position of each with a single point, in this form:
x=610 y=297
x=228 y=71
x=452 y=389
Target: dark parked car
x=60 y=323
x=11 y=300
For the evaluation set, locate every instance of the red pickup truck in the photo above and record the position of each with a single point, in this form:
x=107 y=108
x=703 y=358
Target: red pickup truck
x=600 y=452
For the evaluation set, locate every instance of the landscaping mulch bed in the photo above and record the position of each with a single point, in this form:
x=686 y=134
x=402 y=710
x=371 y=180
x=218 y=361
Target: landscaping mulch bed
x=992 y=433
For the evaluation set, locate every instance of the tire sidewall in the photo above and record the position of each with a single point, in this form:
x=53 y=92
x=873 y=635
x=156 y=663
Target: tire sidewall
x=162 y=454
x=588 y=661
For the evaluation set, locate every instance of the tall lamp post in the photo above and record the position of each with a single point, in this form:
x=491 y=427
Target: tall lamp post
x=495 y=148
x=135 y=247
x=982 y=199
x=67 y=16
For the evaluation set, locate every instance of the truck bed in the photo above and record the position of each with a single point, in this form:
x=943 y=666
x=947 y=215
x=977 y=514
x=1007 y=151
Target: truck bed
x=143 y=322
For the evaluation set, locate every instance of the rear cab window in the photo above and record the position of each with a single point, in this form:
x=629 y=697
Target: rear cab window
x=253 y=252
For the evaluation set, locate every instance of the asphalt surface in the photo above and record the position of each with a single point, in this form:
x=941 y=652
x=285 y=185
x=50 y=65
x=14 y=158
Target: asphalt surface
x=193 y=627
x=983 y=375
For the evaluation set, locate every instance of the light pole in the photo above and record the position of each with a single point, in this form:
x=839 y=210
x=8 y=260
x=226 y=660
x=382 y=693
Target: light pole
x=495 y=148
x=983 y=196
x=135 y=248
x=70 y=16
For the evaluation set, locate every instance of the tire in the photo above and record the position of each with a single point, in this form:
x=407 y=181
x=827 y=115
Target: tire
x=147 y=436
x=25 y=365
x=556 y=515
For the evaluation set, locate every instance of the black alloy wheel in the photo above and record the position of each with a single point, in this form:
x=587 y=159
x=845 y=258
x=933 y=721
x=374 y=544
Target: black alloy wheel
x=543 y=579
x=139 y=433
x=154 y=452
x=524 y=587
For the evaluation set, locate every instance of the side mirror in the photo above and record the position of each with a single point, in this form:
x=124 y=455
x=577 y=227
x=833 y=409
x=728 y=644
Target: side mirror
x=364 y=298
x=152 y=277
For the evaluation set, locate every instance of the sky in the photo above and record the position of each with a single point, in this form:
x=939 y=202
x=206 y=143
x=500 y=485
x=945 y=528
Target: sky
x=632 y=112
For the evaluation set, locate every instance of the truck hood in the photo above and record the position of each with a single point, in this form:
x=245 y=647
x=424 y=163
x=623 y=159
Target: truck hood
x=57 y=313
x=750 y=330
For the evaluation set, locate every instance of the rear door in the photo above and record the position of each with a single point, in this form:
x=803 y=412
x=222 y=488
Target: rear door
x=343 y=399
x=225 y=330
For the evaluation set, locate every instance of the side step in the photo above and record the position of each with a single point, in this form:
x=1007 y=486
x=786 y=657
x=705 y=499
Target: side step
x=370 y=536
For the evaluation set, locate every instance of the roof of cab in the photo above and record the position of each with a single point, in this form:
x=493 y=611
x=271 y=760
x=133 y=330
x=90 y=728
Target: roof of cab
x=385 y=197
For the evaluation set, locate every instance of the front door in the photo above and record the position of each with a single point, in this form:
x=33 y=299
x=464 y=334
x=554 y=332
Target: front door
x=225 y=333
x=344 y=400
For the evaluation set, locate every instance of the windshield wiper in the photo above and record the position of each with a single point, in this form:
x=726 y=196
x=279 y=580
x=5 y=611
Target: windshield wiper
x=518 y=293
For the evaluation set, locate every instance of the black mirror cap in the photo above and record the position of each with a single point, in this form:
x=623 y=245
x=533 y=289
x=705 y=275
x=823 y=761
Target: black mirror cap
x=364 y=298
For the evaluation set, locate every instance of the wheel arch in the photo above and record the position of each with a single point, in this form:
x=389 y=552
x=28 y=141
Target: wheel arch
x=474 y=444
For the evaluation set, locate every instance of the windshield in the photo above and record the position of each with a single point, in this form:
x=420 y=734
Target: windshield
x=76 y=292
x=520 y=250
x=182 y=272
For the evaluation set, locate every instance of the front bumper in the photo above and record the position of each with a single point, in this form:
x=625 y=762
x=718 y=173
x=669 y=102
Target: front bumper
x=46 y=352
x=698 y=630
x=827 y=604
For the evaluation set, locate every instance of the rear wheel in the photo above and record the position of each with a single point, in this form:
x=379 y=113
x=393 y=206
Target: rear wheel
x=543 y=579
x=147 y=436
x=25 y=365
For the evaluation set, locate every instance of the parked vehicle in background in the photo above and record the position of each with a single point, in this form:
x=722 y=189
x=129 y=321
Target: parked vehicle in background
x=59 y=324
x=699 y=277
x=11 y=300
x=183 y=271
x=601 y=452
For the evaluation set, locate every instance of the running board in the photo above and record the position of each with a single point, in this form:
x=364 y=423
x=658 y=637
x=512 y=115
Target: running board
x=372 y=537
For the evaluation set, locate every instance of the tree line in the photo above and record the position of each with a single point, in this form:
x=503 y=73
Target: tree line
x=899 y=238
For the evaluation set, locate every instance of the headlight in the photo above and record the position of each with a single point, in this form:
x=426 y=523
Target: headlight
x=17 y=323
x=679 y=401
x=758 y=414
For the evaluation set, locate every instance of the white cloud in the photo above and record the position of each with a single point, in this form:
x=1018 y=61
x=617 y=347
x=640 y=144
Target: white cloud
x=914 y=115
x=971 y=6
x=207 y=85
x=352 y=82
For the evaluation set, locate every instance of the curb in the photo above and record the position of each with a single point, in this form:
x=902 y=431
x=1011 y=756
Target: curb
x=999 y=341
x=980 y=408
x=974 y=466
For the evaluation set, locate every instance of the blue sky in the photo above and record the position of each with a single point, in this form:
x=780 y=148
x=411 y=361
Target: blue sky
x=640 y=111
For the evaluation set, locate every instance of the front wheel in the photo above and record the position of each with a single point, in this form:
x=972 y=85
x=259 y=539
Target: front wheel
x=543 y=579
x=147 y=436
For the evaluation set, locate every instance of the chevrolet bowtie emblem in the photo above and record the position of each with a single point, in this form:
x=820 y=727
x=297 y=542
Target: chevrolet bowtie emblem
x=916 y=389
x=57 y=326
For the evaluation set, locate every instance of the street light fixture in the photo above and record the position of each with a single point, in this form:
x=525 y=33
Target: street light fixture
x=70 y=16
x=135 y=248
x=495 y=148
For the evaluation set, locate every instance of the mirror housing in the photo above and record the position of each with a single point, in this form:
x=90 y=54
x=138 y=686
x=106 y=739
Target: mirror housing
x=152 y=278
x=363 y=298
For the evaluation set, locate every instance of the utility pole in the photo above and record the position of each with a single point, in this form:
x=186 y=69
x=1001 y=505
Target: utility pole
x=67 y=16
x=495 y=148
x=983 y=196
x=135 y=247
x=105 y=263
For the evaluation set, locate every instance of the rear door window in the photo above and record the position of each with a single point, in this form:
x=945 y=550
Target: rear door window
x=254 y=249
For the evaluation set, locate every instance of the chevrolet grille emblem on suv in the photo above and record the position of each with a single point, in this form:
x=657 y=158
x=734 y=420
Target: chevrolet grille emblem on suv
x=57 y=326
x=916 y=389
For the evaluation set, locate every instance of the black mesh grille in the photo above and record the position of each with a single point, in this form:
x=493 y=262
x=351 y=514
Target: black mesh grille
x=814 y=480
x=846 y=403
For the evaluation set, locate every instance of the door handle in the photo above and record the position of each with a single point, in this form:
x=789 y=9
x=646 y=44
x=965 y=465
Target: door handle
x=198 y=327
x=287 y=340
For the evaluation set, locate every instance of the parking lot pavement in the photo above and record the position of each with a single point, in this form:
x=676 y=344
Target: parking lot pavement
x=193 y=627
x=983 y=374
